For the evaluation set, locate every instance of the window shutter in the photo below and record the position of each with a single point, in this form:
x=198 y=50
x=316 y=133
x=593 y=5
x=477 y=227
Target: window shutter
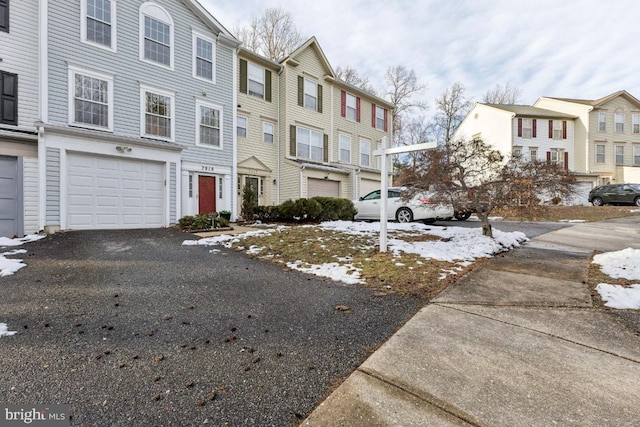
x=9 y=98
x=325 y=148
x=319 y=98
x=564 y=129
x=244 y=76
x=520 y=128
x=301 y=91
x=267 y=85
x=548 y=157
x=386 y=117
x=4 y=15
x=358 y=109
x=373 y=115
x=534 y=130
x=550 y=129
x=292 y=140
x=566 y=161
x=343 y=103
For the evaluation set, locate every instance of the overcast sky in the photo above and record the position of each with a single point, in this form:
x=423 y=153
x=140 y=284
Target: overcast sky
x=562 y=48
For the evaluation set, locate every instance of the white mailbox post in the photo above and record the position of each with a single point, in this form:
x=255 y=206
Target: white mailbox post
x=385 y=151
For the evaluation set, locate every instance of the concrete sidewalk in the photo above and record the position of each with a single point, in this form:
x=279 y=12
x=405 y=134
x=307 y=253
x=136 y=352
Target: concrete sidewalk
x=516 y=342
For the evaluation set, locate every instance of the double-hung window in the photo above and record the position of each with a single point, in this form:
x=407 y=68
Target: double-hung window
x=242 y=127
x=365 y=153
x=267 y=132
x=309 y=144
x=8 y=98
x=209 y=119
x=156 y=29
x=619 y=119
x=380 y=118
x=635 y=123
x=352 y=107
x=99 y=23
x=310 y=94
x=602 y=121
x=90 y=99
x=619 y=155
x=533 y=153
x=345 y=148
x=203 y=57
x=158 y=113
x=600 y=157
x=4 y=15
x=557 y=129
x=636 y=155
x=256 y=80
x=527 y=128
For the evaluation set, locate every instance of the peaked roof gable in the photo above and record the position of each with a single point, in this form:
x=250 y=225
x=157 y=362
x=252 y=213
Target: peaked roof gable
x=254 y=163
x=600 y=102
x=211 y=22
x=312 y=43
x=529 y=111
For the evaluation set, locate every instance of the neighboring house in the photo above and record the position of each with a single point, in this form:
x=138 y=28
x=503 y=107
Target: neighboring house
x=306 y=133
x=19 y=110
x=607 y=135
x=137 y=124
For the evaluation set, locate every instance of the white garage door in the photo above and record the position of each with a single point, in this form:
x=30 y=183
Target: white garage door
x=108 y=193
x=322 y=187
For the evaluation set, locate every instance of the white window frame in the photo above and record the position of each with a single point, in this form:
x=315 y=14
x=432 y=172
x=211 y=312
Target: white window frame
x=157 y=13
x=602 y=121
x=314 y=140
x=617 y=116
x=365 y=152
x=351 y=107
x=533 y=153
x=527 y=128
x=245 y=127
x=310 y=90
x=265 y=132
x=636 y=155
x=379 y=117
x=199 y=105
x=602 y=154
x=517 y=151
x=619 y=153
x=83 y=27
x=345 y=148
x=558 y=132
x=196 y=35
x=256 y=74
x=144 y=88
x=635 y=123
x=73 y=71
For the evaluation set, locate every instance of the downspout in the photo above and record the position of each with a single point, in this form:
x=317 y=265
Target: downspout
x=279 y=141
x=44 y=112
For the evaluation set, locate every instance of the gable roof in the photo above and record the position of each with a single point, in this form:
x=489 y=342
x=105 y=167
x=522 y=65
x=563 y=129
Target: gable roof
x=596 y=103
x=212 y=23
x=529 y=111
x=313 y=44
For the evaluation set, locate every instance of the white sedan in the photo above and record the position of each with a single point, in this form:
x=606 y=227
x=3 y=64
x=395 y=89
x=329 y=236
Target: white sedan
x=417 y=208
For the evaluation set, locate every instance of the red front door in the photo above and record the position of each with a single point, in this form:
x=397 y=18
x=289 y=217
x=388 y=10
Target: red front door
x=207 y=194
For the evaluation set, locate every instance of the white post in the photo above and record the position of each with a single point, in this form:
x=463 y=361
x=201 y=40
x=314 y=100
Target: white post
x=383 y=195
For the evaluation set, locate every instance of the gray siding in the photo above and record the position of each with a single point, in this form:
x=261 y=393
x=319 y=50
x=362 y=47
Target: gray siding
x=172 y=190
x=31 y=198
x=65 y=47
x=53 y=187
x=19 y=53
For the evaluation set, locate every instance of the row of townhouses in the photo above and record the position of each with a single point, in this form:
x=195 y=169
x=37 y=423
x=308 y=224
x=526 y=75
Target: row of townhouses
x=132 y=114
x=599 y=140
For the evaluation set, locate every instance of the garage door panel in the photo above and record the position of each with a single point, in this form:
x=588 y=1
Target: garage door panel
x=322 y=187
x=114 y=193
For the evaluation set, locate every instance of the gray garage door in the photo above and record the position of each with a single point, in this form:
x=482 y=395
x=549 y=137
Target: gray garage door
x=9 y=197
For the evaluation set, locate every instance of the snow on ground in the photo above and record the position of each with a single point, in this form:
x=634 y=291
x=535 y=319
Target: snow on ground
x=8 y=266
x=4 y=331
x=624 y=264
x=458 y=245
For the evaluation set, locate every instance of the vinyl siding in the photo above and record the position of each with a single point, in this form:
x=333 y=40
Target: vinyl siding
x=493 y=125
x=53 y=187
x=30 y=194
x=19 y=53
x=172 y=193
x=129 y=72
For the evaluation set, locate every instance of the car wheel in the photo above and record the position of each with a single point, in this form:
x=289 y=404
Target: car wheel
x=404 y=215
x=462 y=216
x=637 y=201
x=597 y=201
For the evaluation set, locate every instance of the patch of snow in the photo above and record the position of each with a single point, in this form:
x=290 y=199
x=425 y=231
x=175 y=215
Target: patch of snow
x=624 y=264
x=338 y=272
x=573 y=220
x=620 y=297
x=5 y=332
x=6 y=241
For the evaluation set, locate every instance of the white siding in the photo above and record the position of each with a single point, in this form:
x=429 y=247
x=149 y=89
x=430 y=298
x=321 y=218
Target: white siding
x=31 y=194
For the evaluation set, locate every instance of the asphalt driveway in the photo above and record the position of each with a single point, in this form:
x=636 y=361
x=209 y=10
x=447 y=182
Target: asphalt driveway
x=132 y=328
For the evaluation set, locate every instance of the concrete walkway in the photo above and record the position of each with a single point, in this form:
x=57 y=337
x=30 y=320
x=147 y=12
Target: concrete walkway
x=516 y=342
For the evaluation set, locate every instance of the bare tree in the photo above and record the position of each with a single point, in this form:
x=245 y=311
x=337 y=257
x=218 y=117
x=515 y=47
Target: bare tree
x=402 y=88
x=502 y=95
x=476 y=177
x=451 y=108
x=350 y=75
x=273 y=34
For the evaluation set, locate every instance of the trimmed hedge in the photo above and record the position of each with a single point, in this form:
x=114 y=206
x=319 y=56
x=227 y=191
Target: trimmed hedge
x=308 y=210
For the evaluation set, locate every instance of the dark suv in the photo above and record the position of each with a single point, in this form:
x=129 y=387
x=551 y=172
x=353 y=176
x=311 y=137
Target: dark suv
x=615 y=194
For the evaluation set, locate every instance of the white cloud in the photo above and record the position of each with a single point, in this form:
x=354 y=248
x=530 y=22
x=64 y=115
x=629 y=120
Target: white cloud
x=575 y=48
